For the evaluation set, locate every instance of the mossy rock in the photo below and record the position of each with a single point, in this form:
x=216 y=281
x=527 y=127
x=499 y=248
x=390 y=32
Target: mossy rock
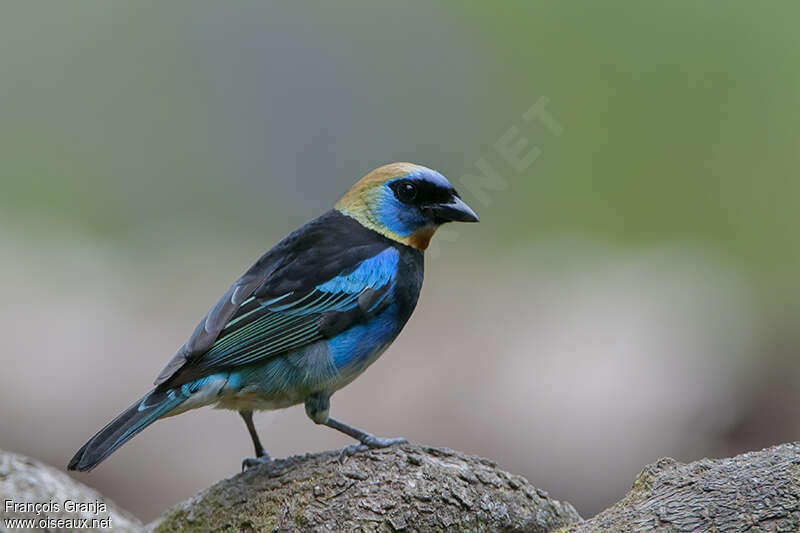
x=402 y=488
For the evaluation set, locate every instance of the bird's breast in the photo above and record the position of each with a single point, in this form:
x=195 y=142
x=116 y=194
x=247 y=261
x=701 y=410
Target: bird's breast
x=353 y=350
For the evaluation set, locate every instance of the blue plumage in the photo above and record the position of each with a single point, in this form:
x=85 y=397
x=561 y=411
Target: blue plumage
x=373 y=272
x=389 y=207
x=310 y=316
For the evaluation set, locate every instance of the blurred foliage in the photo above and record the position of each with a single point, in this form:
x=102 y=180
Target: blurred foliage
x=681 y=121
x=680 y=118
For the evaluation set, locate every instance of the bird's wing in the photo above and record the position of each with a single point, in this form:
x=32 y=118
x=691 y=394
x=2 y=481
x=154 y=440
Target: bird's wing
x=316 y=283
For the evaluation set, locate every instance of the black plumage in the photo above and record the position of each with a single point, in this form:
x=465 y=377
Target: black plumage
x=328 y=246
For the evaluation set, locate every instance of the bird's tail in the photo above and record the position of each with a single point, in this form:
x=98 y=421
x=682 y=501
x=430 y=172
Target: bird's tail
x=138 y=416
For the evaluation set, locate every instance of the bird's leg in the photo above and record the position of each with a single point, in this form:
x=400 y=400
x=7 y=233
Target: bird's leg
x=261 y=454
x=367 y=439
x=248 y=420
x=317 y=409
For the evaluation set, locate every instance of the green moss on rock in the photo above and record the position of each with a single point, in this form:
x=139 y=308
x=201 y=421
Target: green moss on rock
x=403 y=488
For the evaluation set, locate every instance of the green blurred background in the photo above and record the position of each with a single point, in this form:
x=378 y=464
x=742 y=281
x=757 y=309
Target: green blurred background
x=631 y=293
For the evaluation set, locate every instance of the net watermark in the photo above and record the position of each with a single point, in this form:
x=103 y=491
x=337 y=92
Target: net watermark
x=515 y=154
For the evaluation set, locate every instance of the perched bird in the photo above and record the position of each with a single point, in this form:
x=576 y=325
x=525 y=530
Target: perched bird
x=308 y=317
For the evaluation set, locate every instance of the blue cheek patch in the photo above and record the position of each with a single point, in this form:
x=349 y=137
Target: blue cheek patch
x=396 y=216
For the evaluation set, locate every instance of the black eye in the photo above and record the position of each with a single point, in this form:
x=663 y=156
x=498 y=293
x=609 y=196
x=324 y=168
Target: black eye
x=406 y=192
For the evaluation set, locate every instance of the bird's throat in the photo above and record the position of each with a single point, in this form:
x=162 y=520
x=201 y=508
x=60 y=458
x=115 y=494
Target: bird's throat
x=419 y=240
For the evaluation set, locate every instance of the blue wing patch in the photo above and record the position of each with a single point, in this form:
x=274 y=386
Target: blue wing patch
x=263 y=328
x=372 y=273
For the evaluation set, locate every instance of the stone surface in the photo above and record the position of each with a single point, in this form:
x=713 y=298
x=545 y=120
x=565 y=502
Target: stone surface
x=417 y=488
x=756 y=492
x=26 y=481
x=402 y=488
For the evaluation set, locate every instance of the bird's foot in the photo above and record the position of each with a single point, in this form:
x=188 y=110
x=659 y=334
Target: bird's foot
x=376 y=442
x=370 y=442
x=252 y=462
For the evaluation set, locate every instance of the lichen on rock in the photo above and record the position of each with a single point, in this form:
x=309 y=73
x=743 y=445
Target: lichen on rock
x=402 y=488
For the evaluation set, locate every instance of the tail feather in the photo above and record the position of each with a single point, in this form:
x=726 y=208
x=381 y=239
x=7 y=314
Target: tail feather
x=138 y=416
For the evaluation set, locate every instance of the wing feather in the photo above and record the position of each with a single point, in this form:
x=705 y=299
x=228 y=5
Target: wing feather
x=298 y=293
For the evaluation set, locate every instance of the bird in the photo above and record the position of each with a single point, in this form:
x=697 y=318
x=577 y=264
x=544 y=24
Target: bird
x=308 y=317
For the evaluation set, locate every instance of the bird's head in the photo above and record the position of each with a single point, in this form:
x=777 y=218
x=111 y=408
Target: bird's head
x=405 y=202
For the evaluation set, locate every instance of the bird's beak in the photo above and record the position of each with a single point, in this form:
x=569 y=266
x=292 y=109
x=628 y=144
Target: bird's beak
x=453 y=211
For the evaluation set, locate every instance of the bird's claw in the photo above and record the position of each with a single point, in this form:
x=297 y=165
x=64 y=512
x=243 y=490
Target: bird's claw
x=347 y=451
x=252 y=462
x=370 y=443
x=376 y=442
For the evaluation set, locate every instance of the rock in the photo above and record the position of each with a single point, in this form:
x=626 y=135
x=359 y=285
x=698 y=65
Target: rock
x=26 y=482
x=756 y=492
x=402 y=488
x=417 y=488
